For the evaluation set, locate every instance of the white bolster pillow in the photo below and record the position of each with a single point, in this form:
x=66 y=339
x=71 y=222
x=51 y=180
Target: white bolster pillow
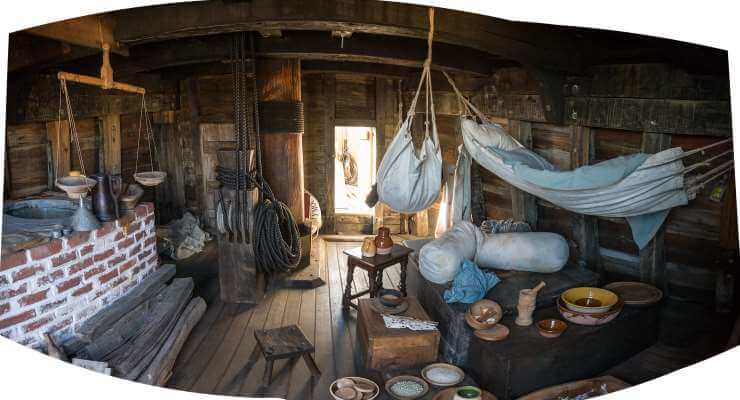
x=523 y=251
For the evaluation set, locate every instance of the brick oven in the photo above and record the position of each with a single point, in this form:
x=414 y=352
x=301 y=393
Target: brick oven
x=54 y=287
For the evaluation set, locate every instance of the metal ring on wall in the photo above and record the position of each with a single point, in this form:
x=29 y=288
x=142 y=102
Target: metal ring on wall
x=281 y=117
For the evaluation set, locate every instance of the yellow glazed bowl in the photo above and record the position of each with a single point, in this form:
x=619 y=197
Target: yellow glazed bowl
x=589 y=300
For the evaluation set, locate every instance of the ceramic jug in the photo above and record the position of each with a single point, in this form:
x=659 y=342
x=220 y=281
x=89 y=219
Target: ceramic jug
x=104 y=201
x=368 y=247
x=383 y=241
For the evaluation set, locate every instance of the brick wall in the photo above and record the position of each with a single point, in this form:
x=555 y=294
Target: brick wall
x=55 y=286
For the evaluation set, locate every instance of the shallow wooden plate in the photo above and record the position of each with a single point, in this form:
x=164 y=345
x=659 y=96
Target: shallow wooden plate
x=636 y=293
x=494 y=334
x=448 y=394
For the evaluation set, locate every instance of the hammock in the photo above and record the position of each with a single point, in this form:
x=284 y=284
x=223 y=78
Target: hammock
x=640 y=187
x=408 y=181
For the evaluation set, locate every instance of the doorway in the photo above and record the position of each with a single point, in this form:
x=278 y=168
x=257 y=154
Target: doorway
x=354 y=169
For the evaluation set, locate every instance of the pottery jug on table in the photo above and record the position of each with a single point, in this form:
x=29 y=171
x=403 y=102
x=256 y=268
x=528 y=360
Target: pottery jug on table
x=104 y=201
x=368 y=247
x=383 y=241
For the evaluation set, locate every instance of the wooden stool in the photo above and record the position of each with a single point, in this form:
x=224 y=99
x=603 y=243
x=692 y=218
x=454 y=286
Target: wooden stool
x=374 y=267
x=280 y=343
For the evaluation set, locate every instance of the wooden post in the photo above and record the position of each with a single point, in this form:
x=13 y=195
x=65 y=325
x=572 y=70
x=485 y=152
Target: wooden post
x=58 y=135
x=523 y=205
x=652 y=256
x=585 y=227
x=193 y=117
x=279 y=80
x=111 y=124
x=329 y=88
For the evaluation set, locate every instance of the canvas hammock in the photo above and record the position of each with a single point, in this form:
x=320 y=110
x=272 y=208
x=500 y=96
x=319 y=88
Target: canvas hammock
x=640 y=187
x=409 y=181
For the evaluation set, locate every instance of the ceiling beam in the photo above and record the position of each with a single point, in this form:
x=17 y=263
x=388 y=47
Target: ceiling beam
x=309 y=46
x=89 y=31
x=532 y=44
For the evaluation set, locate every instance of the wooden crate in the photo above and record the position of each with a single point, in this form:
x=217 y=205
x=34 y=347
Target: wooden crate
x=396 y=348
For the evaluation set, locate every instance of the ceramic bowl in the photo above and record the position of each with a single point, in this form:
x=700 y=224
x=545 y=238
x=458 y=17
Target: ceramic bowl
x=551 y=328
x=483 y=314
x=152 y=178
x=364 y=389
x=410 y=378
x=428 y=373
x=589 y=300
x=590 y=319
x=390 y=297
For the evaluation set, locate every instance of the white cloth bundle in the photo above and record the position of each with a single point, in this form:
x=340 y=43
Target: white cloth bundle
x=408 y=181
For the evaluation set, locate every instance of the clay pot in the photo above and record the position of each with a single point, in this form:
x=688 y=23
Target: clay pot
x=368 y=247
x=526 y=305
x=383 y=241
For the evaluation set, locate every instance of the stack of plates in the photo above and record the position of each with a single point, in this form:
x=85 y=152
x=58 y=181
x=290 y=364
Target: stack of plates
x=589 y=305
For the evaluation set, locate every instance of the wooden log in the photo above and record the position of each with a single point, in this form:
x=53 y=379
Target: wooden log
x=130 y=359
x=282 y=153
x=101 y=321
x=123 y=330
x=159 y=370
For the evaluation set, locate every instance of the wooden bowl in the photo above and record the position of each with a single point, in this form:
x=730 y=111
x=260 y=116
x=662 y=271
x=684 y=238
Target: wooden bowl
x=389 y=384
x=589 y=319
x=390 y=297
x=358 y=385
x=589 y=300
x=152 y=178
x=551 y=328
x=483 y=314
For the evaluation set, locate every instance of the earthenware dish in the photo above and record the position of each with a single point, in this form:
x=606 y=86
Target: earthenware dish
x=406 y=378
x=589 y=300
x=390 y=297
x=357 y=384
x=589 y=319
x=636 y=293
x=551 y=328
x=493 y=334
x=449 y=394
x=445 y=368
x=483 y=314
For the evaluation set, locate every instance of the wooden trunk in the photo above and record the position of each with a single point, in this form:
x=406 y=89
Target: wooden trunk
x=395 y=348
x=279 y=80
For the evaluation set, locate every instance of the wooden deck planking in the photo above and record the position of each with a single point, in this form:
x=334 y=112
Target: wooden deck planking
x=217 y=355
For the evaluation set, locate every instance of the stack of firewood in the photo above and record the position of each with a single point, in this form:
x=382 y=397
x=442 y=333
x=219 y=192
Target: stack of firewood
x=139 y=336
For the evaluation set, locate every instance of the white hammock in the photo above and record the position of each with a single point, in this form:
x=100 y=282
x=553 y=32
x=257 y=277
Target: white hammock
x=408 y=181
x=640 y=187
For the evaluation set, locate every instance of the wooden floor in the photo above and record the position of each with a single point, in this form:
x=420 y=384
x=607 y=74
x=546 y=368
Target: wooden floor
x=215 y=358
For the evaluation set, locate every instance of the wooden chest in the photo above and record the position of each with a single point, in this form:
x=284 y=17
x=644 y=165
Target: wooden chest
x=395 y=348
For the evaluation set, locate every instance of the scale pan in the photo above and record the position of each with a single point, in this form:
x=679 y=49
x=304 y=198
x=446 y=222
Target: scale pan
x=75 y=186
x=152 y=178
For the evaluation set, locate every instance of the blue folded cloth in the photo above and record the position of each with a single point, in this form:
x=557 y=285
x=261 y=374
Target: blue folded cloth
x=470 y=284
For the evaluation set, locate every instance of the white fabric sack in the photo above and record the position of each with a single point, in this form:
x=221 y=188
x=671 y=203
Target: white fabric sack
x=409 y=182
x=544 y=252
x=440 y=260
x=492 y=134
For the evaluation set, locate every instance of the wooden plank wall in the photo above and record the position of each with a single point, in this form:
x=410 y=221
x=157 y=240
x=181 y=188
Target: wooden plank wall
x=26 y=159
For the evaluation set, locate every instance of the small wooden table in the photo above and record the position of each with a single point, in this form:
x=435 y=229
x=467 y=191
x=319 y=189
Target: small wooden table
x=280 y=343
x=395 y=348
x=374 y=267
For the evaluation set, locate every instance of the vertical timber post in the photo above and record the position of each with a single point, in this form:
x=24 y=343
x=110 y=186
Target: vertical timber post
x=279 y=82
x=585 y=227
x=523 y=205
x=652 y=256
